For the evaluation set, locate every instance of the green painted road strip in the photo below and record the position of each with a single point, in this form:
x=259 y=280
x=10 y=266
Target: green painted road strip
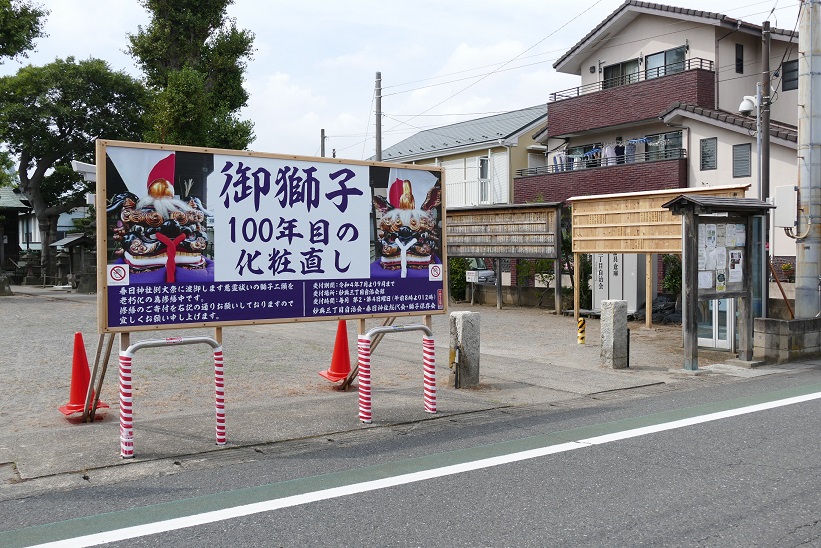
x=169 y=516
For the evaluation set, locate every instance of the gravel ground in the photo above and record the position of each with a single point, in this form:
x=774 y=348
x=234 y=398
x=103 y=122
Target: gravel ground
x=282 y=360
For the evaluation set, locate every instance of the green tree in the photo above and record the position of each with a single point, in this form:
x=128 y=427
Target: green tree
x=51 y=115
x=8 y=173
x=194 y=57
x=21 y=23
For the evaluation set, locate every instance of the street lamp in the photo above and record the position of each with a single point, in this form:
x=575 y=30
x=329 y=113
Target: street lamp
x=762 y=141
x=747 y=106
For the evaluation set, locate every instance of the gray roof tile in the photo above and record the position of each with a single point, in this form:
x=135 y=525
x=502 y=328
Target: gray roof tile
x=777 y=129
x=479 y=132
x=9 y=199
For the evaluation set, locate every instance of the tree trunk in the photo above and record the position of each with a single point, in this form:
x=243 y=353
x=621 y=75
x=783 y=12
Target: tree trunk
x=2 y=246
x=48 y=235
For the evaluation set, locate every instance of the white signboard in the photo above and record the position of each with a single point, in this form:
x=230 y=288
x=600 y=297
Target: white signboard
x=195 y=237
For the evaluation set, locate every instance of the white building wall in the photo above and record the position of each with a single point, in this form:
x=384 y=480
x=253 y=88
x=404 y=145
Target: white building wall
x=783 y=169
x=646 y=35
x=733 y=86
x=499 y=178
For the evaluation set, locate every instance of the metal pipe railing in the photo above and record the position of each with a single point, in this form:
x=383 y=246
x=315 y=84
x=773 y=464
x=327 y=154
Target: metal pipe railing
x=632 y=78
x=579 y=164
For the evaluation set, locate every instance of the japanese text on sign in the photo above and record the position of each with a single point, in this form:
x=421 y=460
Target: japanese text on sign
x=287 y=220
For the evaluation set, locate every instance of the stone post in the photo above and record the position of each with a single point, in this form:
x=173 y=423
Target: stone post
x=5 y=286
x=464 y=349
x=614 y=334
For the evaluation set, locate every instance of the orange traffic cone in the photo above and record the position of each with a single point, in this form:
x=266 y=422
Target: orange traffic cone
x=80 y=377
x=341 y=360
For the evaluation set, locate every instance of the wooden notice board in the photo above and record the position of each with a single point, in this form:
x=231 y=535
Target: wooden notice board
x=633 y=222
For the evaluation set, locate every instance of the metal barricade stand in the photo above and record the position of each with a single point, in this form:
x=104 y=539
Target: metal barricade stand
x=364 y=367
x=126 y=414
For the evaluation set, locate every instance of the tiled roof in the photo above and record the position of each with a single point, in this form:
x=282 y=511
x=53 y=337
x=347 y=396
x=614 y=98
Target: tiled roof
x=477 y=133
x=777 y=129
x=9 y=199
x=719 y=203
x=673 y=11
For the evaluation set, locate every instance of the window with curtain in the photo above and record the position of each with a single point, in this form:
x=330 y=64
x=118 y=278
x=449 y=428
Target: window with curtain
x=662 y=146
x=664 y=62
x=621 y=74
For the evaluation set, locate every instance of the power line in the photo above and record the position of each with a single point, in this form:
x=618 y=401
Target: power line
x=368 y=125
x=510 y=61
x=501 y=68
x=559 y=50
x=481 y=75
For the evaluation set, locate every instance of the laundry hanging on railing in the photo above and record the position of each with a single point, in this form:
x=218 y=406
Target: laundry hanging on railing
x=609 y=155
x=560 y=162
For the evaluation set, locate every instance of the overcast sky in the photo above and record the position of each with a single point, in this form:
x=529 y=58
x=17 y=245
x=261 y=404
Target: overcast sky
x=315 y=61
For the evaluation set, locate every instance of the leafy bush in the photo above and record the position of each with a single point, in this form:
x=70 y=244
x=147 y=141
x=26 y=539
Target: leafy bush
x=671 y=283
x=457 y=266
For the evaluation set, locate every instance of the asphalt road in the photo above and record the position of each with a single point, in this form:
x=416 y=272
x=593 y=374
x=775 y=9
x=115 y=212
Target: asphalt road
x=611 y=472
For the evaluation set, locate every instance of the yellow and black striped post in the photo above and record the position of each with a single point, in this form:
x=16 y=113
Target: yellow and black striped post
x=581 y=331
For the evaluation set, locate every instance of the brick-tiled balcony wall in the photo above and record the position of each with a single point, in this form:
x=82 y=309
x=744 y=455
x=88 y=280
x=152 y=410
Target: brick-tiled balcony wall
x=630 y=103
x=558 y=187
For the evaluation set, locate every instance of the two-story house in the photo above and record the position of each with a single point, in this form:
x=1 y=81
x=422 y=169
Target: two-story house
x=479 y=157
x=657 y=107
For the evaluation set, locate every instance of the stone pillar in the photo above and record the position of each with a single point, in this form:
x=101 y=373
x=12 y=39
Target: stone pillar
x=5 y=285
x=614 y=334
x=464 y=349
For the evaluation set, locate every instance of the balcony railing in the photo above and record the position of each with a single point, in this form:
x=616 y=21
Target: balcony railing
x=577 y=163
x=647 y=74
x=468 y=193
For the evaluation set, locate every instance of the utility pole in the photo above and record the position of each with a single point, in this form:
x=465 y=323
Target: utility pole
x=378 y=93
x=765 y=99
x=322 y=143
x=808 y=249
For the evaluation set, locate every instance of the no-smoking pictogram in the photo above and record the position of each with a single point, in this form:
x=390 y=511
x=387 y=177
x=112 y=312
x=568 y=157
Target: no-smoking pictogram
x=118 y=273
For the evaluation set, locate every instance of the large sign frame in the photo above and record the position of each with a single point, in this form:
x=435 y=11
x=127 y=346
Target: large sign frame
x=523 y=231
x=634 y=222
x=193 y=237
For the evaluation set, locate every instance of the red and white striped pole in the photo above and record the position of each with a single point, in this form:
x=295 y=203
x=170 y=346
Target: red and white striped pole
x=126 y=411
x=429 y=360
x=219 y=394
x=364 y=352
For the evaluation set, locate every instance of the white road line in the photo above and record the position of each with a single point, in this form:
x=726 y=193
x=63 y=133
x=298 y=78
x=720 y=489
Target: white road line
x=325 y=494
